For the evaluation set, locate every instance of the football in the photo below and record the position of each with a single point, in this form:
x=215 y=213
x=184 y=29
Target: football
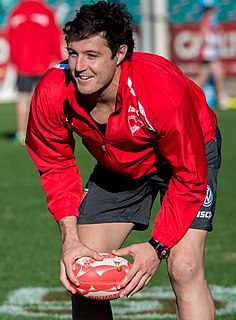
x=99 y=279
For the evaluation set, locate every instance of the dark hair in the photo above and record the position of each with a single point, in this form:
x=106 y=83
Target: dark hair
x=112 y=19
x=208 y=9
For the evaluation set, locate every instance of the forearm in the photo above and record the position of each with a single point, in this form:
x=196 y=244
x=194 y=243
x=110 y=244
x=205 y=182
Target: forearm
x=70 y=244
x=68 y=229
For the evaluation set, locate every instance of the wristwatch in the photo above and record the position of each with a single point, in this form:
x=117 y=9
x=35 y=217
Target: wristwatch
x=163 y=252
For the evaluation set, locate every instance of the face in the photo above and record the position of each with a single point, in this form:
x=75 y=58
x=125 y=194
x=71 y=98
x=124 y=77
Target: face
x=91 y=64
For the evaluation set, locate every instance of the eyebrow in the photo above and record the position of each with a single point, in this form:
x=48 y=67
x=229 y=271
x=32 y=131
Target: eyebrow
x=68 y=48
x=85 y=51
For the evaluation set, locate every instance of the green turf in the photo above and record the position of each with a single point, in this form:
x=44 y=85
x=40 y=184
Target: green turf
x=29 y=238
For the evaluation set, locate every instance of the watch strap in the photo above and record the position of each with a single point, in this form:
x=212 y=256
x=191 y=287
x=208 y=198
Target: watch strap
x=163 y=252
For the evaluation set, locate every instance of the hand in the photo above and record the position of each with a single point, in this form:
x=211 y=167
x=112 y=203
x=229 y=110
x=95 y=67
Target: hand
x=72 y=249
x=71 y=252
x=144 y=267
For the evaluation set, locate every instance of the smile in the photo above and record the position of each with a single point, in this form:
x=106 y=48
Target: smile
x=84 y=77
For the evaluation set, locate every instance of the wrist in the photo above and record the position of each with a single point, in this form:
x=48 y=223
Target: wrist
x=162 y=251
x=68 y=229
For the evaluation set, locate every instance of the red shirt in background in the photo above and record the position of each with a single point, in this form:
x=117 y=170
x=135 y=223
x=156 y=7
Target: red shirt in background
x=34 y=37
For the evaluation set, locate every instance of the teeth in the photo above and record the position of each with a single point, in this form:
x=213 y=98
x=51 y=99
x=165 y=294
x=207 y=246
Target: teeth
x=84 y=77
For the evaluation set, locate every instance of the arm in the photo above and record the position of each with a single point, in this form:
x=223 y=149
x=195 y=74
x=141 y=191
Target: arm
x=51 y=146
x=182 y=145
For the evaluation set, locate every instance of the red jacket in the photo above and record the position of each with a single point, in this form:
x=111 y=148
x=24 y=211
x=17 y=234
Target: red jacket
x=159 y=114
x=34 y=37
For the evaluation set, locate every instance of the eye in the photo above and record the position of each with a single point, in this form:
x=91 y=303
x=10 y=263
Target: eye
x=92 y=55
x=72 y=53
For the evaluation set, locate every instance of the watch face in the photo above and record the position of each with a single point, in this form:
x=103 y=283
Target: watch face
x=164 y=253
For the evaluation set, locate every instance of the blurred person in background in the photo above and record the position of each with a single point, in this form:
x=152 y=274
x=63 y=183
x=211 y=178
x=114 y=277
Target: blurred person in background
x=211 y=67
x=35 y=44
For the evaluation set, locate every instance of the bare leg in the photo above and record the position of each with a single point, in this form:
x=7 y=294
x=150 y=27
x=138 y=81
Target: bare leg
x=103 y=238
x=219 y=77
x=203 y=75
x=215 y=69
x=22 y=111
x=187 y=276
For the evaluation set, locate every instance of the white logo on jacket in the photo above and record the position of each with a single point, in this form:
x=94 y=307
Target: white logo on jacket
x=136 y=123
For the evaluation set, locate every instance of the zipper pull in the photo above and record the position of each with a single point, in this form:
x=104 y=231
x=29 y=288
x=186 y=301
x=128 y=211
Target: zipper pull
x=103 y=147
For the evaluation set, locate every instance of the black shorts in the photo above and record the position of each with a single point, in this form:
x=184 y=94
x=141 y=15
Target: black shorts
x=206 y=61
x=27 y=83
x=109 y=197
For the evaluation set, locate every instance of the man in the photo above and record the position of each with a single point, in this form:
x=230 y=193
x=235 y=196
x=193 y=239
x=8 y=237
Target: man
x=150 y=130
x=35 y=43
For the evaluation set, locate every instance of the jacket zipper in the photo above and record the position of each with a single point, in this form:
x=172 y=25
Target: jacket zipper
x=103 y=146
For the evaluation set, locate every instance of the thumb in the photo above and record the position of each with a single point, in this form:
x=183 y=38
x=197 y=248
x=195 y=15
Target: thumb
x=121 y=252
x=95 y=255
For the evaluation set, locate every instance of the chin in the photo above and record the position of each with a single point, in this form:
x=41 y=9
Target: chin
x=86 y=90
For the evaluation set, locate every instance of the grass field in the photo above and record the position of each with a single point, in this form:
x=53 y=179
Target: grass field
x=30 y=244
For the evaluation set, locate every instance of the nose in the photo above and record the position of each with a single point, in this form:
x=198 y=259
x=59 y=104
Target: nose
x=80 y=64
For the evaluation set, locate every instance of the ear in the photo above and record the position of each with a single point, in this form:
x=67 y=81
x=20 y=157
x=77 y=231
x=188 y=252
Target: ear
x=121 y=53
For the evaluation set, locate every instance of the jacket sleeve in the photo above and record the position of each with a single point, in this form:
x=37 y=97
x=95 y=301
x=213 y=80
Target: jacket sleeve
x=51 y=146
x=181 y=143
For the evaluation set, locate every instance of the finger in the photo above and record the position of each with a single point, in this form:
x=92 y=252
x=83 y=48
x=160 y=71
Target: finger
x=95 y=255
x=125 y=281
x=70 y=273
x=87 y=252
x=135 y=268
x=134 y=286
x=122 y=252
x=64 y=280
x=69 y=265
x=140 y=286
x=148 y=280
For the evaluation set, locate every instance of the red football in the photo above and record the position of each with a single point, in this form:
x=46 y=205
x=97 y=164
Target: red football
x=99 y=279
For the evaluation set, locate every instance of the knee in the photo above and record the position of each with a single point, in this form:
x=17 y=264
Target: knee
x=184 y=270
